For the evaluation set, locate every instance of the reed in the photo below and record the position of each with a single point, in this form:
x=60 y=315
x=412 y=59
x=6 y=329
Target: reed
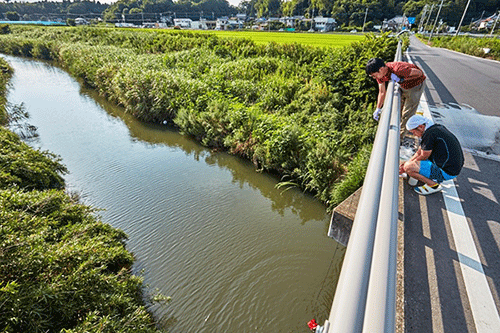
x=295 y=110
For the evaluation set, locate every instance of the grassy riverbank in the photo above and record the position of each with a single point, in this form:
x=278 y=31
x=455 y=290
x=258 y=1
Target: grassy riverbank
x=61 y=269
x=301 y=112
x=479 y=47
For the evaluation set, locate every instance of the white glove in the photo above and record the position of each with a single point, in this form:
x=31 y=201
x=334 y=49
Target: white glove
x=376 y=114
x=395 y=78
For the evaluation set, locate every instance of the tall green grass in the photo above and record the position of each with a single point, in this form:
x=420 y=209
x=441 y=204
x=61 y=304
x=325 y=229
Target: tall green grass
x=470 y=45
x=5 y=74
x=299 y=111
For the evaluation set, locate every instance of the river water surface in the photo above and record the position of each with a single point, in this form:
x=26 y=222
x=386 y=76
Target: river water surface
x=234 y=253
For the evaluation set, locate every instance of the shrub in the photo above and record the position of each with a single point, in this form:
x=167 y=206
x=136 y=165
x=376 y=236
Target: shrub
x=26 y=168
x=61 y=268
x=4 y=29
x=353 y=179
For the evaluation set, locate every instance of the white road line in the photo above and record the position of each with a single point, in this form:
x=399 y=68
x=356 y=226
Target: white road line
x=484 y=311
x=481 y=300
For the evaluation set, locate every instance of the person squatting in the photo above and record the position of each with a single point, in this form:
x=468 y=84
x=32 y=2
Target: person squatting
x=438 y=158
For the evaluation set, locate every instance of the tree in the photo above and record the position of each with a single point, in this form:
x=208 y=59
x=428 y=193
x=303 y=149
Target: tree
x=288 y=7
x=78 y=8
x=12 y=16
x=268 y=8
x=320 y=5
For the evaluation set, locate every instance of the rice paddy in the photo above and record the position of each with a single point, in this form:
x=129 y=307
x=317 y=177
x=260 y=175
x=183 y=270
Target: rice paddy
x=312 y=39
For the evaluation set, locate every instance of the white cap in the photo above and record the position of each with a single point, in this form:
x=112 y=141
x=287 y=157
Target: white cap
x=417 y=120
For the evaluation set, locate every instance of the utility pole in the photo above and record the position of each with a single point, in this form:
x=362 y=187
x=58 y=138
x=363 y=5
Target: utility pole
x=422 y=18
x=364 y=22
x=460 y=24
x=495 y=24
x=430 y=14
x=482 y=14
x=435 y=21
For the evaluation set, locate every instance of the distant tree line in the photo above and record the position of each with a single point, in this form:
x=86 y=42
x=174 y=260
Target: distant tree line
x=35 y=10
x=345 y=12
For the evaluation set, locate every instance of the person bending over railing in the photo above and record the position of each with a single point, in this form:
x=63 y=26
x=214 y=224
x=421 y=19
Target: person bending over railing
x=411 y=80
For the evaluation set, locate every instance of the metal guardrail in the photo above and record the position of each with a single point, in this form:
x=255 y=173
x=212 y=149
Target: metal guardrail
x=365 y=299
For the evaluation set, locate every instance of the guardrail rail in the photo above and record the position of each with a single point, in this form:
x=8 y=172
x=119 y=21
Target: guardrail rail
x=365 y=298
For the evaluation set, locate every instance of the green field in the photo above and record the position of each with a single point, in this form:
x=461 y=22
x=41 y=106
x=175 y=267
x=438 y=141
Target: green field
x=313 y=39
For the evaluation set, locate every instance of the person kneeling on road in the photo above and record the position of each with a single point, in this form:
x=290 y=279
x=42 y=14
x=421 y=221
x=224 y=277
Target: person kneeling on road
x=438 y=158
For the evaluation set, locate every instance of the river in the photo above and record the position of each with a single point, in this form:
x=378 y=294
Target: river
x=235 y=253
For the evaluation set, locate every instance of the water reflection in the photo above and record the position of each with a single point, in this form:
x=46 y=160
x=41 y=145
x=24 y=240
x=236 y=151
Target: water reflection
x=154 y=134
x=233 y=252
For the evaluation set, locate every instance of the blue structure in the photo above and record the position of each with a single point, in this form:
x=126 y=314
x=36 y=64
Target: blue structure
x=34 y=22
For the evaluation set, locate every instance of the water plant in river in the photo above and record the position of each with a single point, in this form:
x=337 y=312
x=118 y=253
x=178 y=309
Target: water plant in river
x=298 y=111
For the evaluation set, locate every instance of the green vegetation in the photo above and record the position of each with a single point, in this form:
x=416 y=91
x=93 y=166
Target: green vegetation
x=301 y=112
x=61 y=269
x=472 y=46
x=33 y=11
x=320 y=40
x=347 y=13
x=5 y=74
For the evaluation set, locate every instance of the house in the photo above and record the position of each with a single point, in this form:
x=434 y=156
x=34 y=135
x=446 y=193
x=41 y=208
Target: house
x=395 y=23
x=184 y=23
x=201 y=24
x=290 y=21
x=324 y=24
x=225 y=23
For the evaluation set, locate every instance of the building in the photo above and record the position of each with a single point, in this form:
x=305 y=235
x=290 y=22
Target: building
x=395 y=23
x=324 y=24
x=225 y=23
x=291 y=21
x=184 y=23
x=201 y=24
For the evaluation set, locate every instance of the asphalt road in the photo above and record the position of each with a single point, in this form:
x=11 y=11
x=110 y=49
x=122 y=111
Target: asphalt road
x=452 y=240
x=463 y=93
x=459 y=78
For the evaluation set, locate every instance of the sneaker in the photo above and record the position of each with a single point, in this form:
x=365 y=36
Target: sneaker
x=426 y=189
